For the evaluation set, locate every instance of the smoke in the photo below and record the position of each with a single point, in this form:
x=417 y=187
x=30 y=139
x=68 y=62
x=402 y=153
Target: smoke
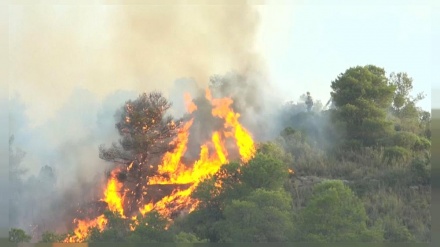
x=72 y=67
x=253 y=98
x=124 y=47
x=63 y=169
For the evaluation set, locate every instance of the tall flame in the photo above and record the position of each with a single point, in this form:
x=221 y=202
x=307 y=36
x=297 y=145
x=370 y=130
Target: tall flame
x=213 y=154
x=222 y=109
x=112 y=194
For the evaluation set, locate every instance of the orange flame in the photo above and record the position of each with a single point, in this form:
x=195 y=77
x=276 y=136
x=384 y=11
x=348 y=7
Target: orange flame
x=83 y=226
x=190 y=106
x=114 y=202
x=171 y=161
x=208 y=163
x=244 y=140
x=111 y=194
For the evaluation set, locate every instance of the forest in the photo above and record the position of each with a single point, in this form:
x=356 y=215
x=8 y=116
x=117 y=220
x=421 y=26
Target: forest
x=355 y=170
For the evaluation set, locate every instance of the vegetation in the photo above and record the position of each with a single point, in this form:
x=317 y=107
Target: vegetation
x=362 y=173
x=18 y=235
x=335 y=214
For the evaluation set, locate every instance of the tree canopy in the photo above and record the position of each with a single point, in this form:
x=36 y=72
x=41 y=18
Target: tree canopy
x=335 y=214
x=362 y=96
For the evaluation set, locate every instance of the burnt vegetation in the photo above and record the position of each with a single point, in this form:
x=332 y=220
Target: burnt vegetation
x=361 y=172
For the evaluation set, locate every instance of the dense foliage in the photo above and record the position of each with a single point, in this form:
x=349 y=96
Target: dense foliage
x=361 y=173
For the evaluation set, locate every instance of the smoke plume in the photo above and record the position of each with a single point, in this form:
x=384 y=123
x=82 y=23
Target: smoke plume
x=74 y=66
x=124 y=47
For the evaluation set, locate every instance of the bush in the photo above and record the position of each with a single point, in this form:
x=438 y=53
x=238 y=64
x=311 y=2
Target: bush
x=50 y=237
x=18 y=235
x=264 y=216
x=396 y=153
x=334 y=214
x=421 y=171
x=395 y=231
x=422 y=144
x=264 y=171
x=405 y=139
x=183 y=237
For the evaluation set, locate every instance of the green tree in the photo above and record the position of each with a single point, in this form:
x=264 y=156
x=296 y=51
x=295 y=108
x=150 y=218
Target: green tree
x=334 y=214
x=184 y=237
x=362 y=96
x=18 y=235
x=276 y=151
x=264 y=216
x=409 y=117
x=117 y=229
x=201 y=222
x=396 y=153
x=425 y=124
x=152 y=228
x=403 y=102
x=405 y=139
x=421 y=170
x=264 y=171
x=238 y=181
x=212 y=200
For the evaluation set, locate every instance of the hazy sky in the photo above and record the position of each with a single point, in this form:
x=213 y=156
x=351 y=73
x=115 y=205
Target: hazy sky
x=55 y=49
x=308 y=45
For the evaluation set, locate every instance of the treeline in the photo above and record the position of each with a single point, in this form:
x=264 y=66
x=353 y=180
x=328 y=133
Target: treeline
x=361 y=172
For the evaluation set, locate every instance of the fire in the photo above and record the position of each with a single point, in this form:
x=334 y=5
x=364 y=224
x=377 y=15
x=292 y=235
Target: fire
x=171 y=161
x=190 y=106
x=147 y=208
x=114 y=202
x=112 y=195
x=222 y=109
x=83 y=226
x=172 y=170
x=219 y=147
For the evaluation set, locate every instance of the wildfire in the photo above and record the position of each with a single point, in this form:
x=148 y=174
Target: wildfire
x=244 y=140
x=190 y=106
x=112 y=195
x=83 y=226
x=114 y=202
x=213 y=154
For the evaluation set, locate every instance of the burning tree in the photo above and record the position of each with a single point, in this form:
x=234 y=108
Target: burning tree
x=146 y=133
x=155 y=163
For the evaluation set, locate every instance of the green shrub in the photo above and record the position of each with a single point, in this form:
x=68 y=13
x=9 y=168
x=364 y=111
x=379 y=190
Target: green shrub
x=421 y=171
x=422 y=144
x=405 y=139
x=334 y=214
x=396 y=153
x=18 y=235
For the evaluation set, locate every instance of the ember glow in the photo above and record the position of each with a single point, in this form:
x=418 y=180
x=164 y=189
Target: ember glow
x=173 y=171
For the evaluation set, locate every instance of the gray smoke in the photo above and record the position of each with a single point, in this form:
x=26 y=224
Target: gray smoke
x=61 y=163
x=82 y=63
x=124 y=47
